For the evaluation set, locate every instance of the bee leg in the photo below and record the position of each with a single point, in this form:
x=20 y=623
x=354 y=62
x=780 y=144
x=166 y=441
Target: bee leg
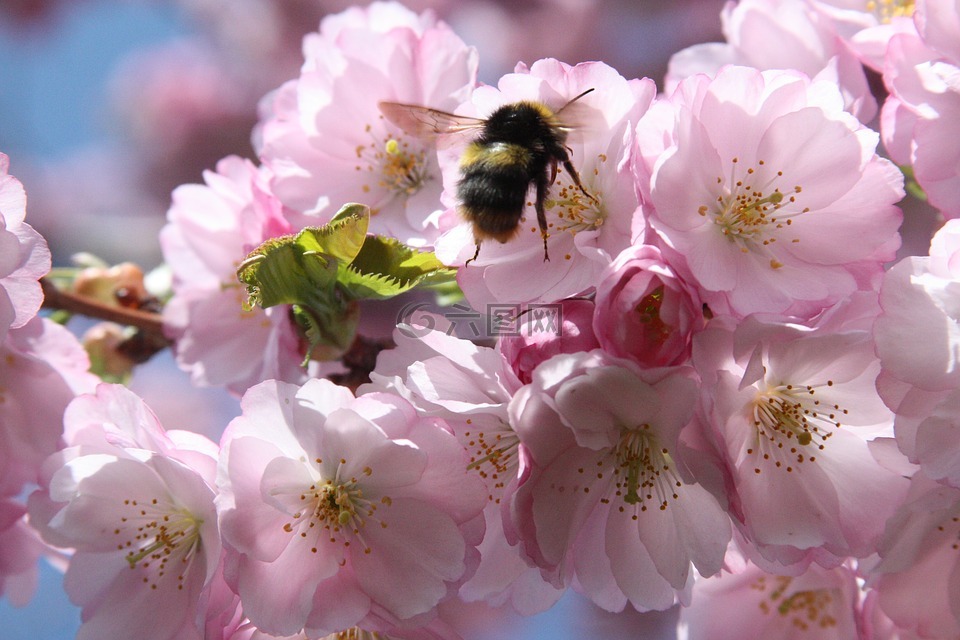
x=475 y=254
x=576 y=180
x=543 y=186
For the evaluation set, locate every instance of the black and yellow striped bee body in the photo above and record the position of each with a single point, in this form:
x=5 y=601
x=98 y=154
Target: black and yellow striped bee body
x=519 y=145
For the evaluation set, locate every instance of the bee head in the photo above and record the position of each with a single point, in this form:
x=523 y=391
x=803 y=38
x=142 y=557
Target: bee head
x=520 y=123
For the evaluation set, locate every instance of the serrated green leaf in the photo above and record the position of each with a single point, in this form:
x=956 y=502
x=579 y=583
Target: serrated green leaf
x=384 y=268
x=283 y=273
x=302 y=269
x=323 y=271
x=342 y=238
x=371 y=286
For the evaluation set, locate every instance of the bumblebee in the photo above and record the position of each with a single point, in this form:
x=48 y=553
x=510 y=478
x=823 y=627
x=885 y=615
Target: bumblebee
x=518 y=145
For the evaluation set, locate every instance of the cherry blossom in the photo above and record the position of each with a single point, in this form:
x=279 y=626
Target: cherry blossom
x=336 y=511
x=867 y=25
x=606 y=501
x=247 y=631
x=914 y=337
x=20 y=549
x=470 y=387
x=44 y=368
x=584 y=234
x=793 y=412
x=921 y=71
x=142 y=522
x=543 y=332
x=918 y=577
x=644 y=311
x=779 y=34
x=766 y=180
x=716 y=399
x=211 y=228
x=24 y=256
x=820 y=603
x=325 y=140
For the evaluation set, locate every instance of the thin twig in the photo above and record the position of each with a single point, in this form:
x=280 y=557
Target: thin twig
x=146 y=321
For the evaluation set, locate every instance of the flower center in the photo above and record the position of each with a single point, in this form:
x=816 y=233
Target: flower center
x=789 y=418
x=159 y=539
x=887 y=10
x=647 y=313
x=576 y=211
x=750 y=214
x=335 y=509
x=392 y=166
x=493 y=456
x=644 y=470
x=806 y=610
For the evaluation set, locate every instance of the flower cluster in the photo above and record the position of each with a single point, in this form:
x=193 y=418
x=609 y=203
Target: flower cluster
x=43 y=368
x=714 y=394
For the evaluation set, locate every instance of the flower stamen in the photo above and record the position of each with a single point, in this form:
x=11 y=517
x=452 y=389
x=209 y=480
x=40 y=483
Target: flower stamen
x=789 y=418
x=161 y=536
x=752 y=215
x=886 y=10
x=807 y=610
x=647 y=312
x=493 y=456
x=574 y=210
x=393 y=165
x=337 y=508
x=645 y=469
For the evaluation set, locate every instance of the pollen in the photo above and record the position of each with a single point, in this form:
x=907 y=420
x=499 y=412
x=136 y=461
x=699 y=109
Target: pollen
x=334 y=510
x=647 y=314
x=493 y=455
x=576 y=211
x=356 y=633
x=793 y=422
x=754 y=209
x=948 y=531
x=811 y=611
x=886 y=10
x=160 y=540
x=644 y=470
x=392 y=165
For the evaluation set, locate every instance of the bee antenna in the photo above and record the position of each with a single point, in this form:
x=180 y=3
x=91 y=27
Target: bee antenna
x=574 y=99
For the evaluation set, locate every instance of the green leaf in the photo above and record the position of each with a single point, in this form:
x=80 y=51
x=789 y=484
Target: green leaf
x=324 y=271
x=384 y=268
x=328 y=335
x=279 y=272
x=342 y=238
x=302 y=269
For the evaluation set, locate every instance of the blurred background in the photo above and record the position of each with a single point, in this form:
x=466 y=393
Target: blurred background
x=107 y=105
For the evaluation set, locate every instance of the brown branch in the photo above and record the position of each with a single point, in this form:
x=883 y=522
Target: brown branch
x=360 y=359
x=146 y=321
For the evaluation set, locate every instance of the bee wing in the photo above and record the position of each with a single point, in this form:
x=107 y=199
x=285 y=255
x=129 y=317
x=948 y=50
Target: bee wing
x=426 y=122
x=575 y=117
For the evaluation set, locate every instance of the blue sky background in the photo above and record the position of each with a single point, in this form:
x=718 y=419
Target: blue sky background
x=54 y=74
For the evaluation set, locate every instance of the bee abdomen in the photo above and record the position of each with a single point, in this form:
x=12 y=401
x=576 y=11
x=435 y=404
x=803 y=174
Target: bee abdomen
x=492 y=191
